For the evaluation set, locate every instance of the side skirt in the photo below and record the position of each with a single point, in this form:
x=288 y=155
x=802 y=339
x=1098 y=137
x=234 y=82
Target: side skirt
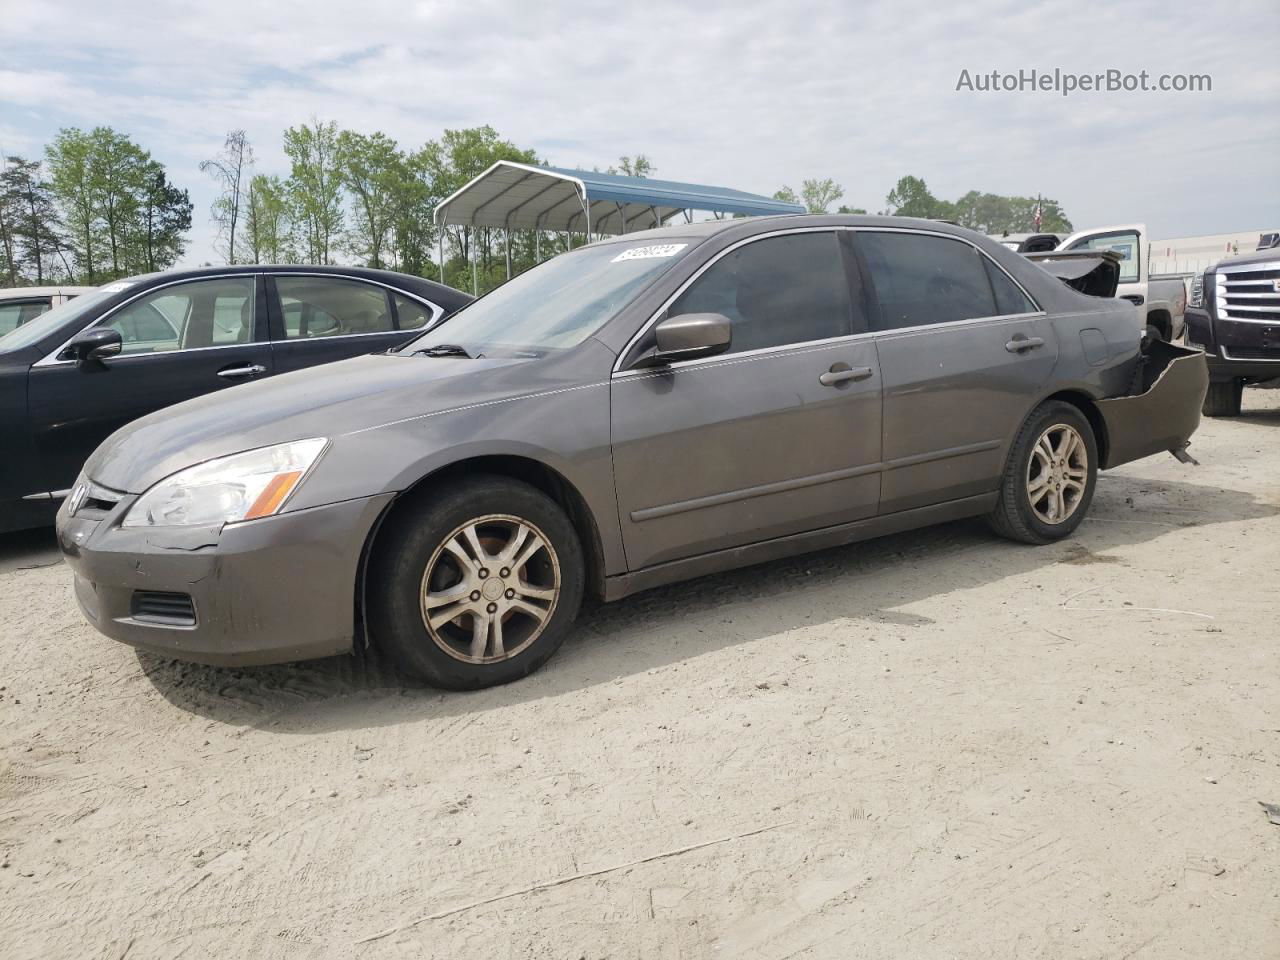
x=623 y=585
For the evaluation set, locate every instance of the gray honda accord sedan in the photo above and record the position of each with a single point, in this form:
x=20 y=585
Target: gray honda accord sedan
x=644 y=409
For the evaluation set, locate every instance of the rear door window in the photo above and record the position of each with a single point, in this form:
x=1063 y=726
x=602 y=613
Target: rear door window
x=331 y=307
x=921 y=279
x=410 y=314
x=776 y=291
x=1009 y=296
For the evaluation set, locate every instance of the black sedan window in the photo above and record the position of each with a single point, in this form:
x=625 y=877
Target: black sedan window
x=776 y=291
x=184 y=316
x=921 y=279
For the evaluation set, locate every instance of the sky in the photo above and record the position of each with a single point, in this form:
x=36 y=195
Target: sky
x=751 y=95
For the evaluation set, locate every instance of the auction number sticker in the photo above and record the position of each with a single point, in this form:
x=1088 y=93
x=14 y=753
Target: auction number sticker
x=652 y=252
x=120 y=286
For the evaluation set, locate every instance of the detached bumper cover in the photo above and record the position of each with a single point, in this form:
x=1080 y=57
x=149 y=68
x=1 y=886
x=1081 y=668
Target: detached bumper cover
x=1165 y=412
x=268 y=591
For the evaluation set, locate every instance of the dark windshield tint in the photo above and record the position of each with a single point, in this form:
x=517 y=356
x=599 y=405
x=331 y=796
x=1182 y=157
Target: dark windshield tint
x=557 y=304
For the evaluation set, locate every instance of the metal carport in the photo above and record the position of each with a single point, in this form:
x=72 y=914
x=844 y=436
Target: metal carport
x=519 y=196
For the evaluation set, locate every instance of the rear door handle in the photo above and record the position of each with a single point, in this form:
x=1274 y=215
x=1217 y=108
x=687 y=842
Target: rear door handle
x=842 y=373
x=1018 y=344
x=244 y=370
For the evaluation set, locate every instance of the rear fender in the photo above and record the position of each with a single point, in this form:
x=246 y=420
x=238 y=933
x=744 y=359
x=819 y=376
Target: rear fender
x=1163 y=411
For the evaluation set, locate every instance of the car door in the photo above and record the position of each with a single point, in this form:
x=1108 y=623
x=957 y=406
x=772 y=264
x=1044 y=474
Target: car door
x=320 y=318
x=779 y=435
x=963 y=353
x=180 y=340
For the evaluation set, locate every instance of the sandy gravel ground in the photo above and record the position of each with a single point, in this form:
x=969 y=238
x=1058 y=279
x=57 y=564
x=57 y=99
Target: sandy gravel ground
x=934 y=745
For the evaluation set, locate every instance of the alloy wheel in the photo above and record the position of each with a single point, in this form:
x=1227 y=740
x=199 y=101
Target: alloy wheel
x=490 y=589
x=1057 y=473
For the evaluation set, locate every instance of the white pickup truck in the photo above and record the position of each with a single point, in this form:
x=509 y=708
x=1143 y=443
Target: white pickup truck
x=1163 y=303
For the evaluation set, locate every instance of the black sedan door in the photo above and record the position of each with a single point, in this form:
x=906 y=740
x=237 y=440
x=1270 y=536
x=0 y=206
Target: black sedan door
x=320 y=319
x=181 y=340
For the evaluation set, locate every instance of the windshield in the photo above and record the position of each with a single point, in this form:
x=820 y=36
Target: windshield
x=47 y=323
x=557 y=304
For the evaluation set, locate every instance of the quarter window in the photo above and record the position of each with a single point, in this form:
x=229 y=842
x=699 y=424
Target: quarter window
x=410 y=314
x=185 y=316
x=776 y=291
x=329 y=307
x=921 y=279
x=1009 y=296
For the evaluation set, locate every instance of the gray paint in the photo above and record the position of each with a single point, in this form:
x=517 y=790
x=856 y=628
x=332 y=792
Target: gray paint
x=685 y=469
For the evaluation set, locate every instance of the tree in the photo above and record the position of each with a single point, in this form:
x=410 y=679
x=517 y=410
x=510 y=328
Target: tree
x=232 y=170
x=119 y=168
x=372 y=169
x=910 y=197
x=77 y=194
x=816 y=196
x=315 y=186
x=853 y=210
x=641 y=166
x=413 y=230
x=29 y=220
x=165 y=219
x=267 y=223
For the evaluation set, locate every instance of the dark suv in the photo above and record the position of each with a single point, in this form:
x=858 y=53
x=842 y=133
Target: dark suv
x=1234 y=315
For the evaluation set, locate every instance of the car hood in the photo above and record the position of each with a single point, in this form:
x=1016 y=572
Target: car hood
x=324 y=401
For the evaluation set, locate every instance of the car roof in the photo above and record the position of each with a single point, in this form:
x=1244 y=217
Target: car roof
x=418 y=285
x=752 y=225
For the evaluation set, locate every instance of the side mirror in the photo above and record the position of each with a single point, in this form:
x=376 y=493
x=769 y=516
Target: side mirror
x=687 y=337
x=94 y=345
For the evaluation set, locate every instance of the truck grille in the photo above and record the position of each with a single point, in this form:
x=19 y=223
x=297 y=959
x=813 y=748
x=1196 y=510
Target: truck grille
x=168 y=609
x=1249 y=292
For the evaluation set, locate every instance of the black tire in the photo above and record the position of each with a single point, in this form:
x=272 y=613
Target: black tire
x=1224 y=398
x=415 y=534
x=1013 y=516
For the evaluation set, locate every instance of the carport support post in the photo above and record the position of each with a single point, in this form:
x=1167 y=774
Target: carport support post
x=475 y=286
x=440 y=240
x=508 y=253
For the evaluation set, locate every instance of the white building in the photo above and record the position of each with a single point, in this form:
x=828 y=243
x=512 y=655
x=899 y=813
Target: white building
x=1187 y=256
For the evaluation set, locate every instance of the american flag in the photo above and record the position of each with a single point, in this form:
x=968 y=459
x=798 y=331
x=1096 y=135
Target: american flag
x=1037 y=218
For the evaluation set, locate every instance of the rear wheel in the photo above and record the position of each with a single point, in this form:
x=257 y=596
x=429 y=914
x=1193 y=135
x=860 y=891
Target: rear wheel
x=1224 y=398
x=1049 y=480
x=476 y=585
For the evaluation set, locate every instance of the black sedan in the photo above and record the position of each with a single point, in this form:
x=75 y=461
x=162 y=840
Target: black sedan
x=173 y=336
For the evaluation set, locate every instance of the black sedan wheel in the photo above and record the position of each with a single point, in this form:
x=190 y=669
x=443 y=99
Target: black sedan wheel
x=1048 y=482
x=476 y=584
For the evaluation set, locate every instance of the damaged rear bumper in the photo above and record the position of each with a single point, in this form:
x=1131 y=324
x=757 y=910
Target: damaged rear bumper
x=1163 y=412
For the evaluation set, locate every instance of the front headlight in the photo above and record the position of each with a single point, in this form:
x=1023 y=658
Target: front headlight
x=1196 y=297
x=243 y=486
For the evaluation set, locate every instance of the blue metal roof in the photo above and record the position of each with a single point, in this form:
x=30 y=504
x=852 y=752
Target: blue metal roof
x=521 y=196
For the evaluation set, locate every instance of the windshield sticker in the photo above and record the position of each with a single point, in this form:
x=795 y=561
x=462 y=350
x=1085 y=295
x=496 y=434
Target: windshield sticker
x=651 y=252
x=120 y=286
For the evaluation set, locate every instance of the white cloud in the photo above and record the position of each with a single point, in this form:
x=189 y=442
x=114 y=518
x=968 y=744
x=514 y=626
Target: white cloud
x=748 y=95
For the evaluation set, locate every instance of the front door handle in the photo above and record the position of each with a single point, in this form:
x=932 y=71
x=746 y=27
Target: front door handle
x=244 y=370
x=1018 y=344
x=843 y=373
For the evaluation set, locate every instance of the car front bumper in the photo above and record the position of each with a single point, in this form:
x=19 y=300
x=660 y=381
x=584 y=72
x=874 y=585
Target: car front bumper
x=1236 y=348
x=267 y=591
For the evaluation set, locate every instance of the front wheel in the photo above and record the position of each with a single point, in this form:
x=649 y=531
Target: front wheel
x=475 y=585
x=1050 y=476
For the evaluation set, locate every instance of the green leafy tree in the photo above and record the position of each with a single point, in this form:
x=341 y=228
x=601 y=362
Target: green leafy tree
x=165 y=219
x=372 y=169
x=413 y=230
x=120 y=169
x=816 y=196
x=77 y=194
x=315 y=187
x=267 y=223
x=910 y=197
x=638 y=166
x=29 y=223
x=232 y=169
